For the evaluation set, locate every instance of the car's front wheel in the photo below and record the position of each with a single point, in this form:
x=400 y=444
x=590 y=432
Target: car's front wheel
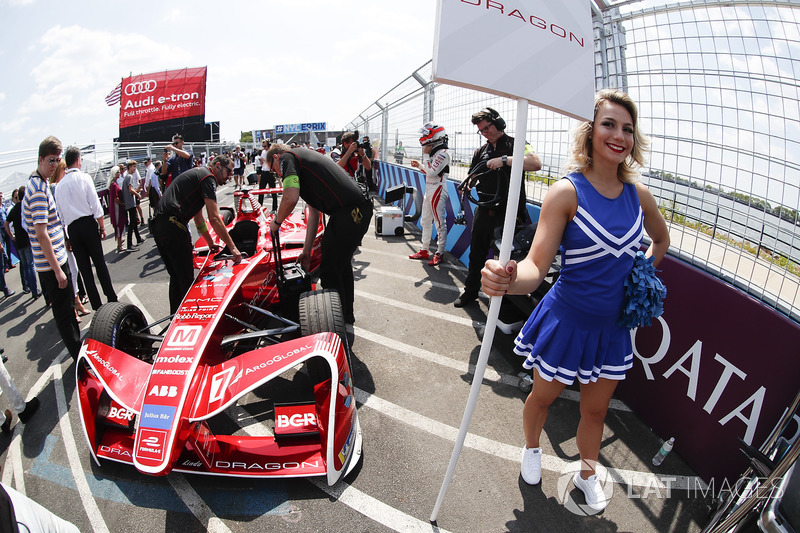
x=321 y=312
x=116 y=324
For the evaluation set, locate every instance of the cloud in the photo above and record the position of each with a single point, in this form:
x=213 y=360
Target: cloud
x=14 y=125
x=81 y=66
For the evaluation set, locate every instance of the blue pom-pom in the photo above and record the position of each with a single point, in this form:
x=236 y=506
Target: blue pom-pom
x=644 y=292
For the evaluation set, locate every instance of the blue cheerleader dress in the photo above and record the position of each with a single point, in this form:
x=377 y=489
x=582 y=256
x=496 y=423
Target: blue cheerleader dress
x=573 y=332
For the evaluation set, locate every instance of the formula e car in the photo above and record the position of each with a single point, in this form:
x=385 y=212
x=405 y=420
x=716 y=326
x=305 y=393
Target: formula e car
x=250 y=342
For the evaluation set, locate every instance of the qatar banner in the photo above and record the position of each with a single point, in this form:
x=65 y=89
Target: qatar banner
x=161 y=96
x=539 y=50
x=716 y=367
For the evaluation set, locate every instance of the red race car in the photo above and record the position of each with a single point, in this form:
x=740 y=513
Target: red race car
x=253 y=339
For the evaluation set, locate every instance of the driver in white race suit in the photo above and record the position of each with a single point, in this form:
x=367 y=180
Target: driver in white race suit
x=436 y=166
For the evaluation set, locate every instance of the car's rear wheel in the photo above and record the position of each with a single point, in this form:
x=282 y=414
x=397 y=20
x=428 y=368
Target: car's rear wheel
x=321 y=312
x=114 y=325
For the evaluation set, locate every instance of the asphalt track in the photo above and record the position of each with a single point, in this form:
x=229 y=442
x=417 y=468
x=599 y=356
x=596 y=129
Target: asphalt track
x=414 y=361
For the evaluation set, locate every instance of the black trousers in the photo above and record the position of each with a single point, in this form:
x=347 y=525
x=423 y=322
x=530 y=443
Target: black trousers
x=62 y=302
x=483 y=225
x=154 y=198
x=174 y=243
x=133 y=227
x=346 y=227
x=84 y=237
x=267 y=178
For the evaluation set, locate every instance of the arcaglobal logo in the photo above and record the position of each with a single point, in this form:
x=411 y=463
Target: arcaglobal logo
x=568 y=493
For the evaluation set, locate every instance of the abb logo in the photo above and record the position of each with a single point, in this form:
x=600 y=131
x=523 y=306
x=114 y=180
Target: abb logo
x=120 y=413
x=165 y=391
x=297 y=420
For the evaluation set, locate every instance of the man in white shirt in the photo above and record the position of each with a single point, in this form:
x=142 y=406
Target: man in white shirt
x=151 y=184
x=82 y=215
x=267 y=178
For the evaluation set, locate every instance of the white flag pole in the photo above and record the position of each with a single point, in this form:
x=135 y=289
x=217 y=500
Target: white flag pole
x=512 y=204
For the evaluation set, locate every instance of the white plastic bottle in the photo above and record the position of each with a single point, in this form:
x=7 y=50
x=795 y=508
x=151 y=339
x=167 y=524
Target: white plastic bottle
x=663 y=452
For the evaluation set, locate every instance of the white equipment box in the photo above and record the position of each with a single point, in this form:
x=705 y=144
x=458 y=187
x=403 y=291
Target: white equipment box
x=389 y=221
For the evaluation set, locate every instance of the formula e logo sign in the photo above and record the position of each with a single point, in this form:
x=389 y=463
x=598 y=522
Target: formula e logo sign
x=140 y=87
x=184 y=336
x=151 y=444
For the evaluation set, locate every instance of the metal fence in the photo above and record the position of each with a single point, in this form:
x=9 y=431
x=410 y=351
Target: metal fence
x=716 y=83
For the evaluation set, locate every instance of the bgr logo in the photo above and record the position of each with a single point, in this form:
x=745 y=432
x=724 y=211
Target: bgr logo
x=568 y=493
x=120 y=413
x=140 y=87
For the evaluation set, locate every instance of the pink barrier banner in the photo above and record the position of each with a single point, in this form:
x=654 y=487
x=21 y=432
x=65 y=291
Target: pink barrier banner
x=717 y=366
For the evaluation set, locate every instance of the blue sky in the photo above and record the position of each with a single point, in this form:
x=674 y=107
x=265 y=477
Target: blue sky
x=268 y=62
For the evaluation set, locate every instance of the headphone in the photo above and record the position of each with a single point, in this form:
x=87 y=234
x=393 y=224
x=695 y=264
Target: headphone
x=494 y=118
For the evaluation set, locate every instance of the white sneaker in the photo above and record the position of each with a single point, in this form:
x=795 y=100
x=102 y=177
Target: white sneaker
x=592 y=491
x=531 y=465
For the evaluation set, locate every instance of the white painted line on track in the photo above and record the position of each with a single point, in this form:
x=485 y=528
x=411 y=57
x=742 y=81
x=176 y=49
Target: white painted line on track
x=8 y=469
x=47 y=376
x=490 y=375
x=414 y=280
x=13 y=468
x=89 y=503
x=447 y=265
x=374 y=509
x=512 y=453
x=426 y=355
x=15 y=452
x=196 y=505
x=409 y=307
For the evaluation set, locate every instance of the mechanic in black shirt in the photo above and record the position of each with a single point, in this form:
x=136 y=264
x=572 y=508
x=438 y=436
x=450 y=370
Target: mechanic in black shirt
x=182 y=201
x=492 y=189
x=326 y=188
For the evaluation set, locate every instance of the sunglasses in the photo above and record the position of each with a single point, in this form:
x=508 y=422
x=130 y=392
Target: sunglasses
x=54 y=160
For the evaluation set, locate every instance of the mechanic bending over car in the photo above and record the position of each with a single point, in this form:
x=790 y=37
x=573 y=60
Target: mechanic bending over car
x=182 y=201
x=326 y=188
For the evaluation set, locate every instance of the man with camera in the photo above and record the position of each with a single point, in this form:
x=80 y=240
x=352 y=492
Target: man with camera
x=491 y=176
x=354 y=153
x=181 y=160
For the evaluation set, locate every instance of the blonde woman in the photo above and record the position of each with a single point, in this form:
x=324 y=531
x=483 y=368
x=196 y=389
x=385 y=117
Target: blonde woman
x=595 y=216
x=116 y=208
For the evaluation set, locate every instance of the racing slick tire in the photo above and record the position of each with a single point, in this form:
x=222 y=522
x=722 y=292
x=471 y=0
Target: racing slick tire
x=321 y=312
x=228 y=215
x=113 y=325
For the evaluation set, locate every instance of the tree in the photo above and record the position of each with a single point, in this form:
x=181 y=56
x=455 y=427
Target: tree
x=246 y=137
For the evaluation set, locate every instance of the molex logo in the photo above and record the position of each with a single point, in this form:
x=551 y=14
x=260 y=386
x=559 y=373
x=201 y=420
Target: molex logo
x=140 y=87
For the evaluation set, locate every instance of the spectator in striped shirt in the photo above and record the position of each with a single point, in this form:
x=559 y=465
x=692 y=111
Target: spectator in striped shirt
x=48 y=244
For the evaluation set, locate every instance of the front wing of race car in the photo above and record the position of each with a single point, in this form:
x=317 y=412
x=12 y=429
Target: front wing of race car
x=130 y=415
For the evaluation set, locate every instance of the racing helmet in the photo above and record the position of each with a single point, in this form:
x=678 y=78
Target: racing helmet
x=433 y=134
